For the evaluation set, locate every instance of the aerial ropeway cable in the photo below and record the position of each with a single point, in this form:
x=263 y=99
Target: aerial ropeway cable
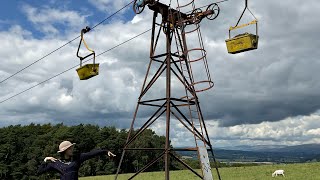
x=44 y=81
x=60 y=47
x=243 y=42
x=209 y=16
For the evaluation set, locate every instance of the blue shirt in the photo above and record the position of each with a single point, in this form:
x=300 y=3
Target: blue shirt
x=69 y=169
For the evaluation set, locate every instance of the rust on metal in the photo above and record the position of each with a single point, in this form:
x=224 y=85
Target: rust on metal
x=169 y=64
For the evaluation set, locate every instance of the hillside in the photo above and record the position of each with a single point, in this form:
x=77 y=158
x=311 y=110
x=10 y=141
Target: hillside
x=308 y=171
x=22 y=149
x=309 y=148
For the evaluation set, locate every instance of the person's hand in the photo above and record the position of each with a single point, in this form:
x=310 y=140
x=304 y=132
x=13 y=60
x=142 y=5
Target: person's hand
x=50 y=158
x=111 y=154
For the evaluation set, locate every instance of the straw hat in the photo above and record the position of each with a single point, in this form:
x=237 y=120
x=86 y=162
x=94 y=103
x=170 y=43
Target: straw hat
x=65 y=145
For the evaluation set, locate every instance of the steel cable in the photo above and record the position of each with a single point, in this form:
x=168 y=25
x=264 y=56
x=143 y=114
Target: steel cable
x=17 y=94
x=43 y=57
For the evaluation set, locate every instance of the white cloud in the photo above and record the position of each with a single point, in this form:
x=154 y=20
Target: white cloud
x=65 y=99
x=109 y=6
x=47 y=19
x=289 y=131
x=136 y=19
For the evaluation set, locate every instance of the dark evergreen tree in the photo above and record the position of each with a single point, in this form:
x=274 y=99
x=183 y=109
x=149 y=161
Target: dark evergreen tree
x=23 y=148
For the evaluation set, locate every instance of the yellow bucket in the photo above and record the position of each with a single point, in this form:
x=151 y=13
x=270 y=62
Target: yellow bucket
x=242 y=42
x=88 y=71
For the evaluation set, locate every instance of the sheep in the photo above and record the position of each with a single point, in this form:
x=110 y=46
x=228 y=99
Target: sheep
x=278 y=172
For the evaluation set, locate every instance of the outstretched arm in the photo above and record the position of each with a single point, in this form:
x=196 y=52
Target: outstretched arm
x=93 y=153
x=45 y=167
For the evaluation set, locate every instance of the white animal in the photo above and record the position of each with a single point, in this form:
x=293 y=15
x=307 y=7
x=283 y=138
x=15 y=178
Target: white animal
x=278 y=172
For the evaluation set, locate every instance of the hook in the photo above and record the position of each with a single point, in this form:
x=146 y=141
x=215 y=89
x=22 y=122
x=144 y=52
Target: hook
x=86 y=29
x=245 y=8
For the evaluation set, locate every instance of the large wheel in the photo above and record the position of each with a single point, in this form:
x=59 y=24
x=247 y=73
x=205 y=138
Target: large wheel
x=138 y=6
x=216 y=10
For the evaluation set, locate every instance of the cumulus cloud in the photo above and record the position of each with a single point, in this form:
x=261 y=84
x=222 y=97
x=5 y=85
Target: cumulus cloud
x=289 y=131
x=111 y=95
x=108 y=5
x=274 y=82
x=49 y=20
x=263 y=96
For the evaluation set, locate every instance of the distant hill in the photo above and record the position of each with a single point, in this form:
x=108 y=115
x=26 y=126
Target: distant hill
x=278 y=154
x=308 y=148
x=253 y=148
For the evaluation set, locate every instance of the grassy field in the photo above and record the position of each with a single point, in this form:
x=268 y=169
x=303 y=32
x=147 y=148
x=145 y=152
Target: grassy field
x=306 y=171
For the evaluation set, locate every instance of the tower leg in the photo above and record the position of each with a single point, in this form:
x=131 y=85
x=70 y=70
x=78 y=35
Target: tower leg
x=168 y=106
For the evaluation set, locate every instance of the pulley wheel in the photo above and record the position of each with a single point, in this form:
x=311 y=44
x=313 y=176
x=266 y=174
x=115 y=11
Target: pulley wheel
x=216 y=10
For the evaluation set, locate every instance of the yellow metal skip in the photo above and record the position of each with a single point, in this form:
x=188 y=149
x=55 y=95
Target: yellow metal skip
x=242 y=43
x=88 y=71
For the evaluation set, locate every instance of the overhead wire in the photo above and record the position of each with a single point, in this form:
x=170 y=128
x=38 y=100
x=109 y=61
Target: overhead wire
x=14 y=74
x=217 y=2
x=17 y=94
x=21 y=92
x=55 y=50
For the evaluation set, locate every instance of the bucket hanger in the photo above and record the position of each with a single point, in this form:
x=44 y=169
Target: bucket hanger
x=245 y=8
x=83 y=31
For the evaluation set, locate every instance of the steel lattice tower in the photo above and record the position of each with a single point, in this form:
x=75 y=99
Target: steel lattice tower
x=175 y=66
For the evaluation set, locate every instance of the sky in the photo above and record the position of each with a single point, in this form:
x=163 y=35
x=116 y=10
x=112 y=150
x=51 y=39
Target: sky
x=269 y=96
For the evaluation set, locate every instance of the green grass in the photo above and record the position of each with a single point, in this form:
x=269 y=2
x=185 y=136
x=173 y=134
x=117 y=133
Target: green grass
x=305 y=171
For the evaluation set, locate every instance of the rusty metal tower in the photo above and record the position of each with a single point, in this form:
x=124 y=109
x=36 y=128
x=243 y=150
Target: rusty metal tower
x=183 y=52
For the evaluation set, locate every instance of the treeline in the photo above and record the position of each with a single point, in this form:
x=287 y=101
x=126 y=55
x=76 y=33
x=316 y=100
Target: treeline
x=23 y=148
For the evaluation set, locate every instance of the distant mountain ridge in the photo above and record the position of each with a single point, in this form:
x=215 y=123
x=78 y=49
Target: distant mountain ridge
x=304 y=148
x=265 y=153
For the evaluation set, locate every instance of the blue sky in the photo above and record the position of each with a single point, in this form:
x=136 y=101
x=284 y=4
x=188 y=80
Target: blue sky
x=267 y=96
